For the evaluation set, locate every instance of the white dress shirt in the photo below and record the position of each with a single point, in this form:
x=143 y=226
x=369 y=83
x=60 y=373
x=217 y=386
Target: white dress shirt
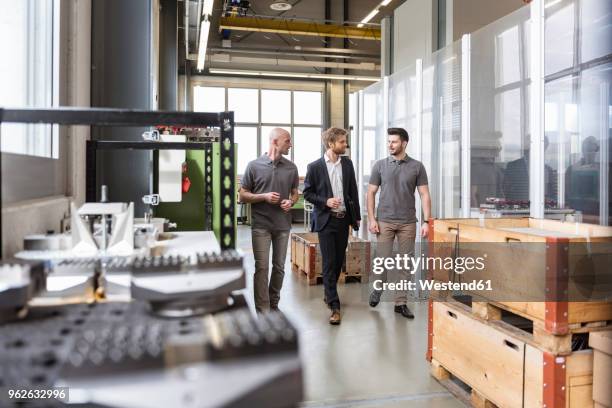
x=334 y=170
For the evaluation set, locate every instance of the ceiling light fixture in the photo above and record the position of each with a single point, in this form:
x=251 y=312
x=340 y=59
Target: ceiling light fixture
x=373 y=13
x=208 y=7
x=281 y=5
x=207 y=10
x=292 y=75
x=203 y=43
x=369 y=16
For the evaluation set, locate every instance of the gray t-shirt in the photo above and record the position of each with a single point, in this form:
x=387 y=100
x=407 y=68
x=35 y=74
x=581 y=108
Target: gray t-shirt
x=398 y=180
x=264 y=176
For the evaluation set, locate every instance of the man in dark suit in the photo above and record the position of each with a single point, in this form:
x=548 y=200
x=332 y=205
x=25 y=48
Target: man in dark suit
x=331 y=187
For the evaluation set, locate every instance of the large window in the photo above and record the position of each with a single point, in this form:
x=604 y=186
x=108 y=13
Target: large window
x=258 y=111
x=305 y=138
x=245 y=104
x=308 y=111
x=27 y=31
x=208 y=99
x=275 y=106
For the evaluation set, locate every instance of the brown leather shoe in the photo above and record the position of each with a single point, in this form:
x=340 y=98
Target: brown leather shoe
x=335 y=317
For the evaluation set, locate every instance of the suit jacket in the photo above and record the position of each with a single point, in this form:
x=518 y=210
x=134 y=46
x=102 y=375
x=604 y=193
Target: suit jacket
x=318 y=189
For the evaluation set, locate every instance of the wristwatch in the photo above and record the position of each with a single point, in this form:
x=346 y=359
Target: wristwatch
x=426 y=221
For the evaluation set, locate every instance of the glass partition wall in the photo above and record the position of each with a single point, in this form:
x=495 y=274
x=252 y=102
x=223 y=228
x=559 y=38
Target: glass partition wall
x=578 y=108
x=371 y=145
x=441 y=129
x=467 y=110
x=499 y=114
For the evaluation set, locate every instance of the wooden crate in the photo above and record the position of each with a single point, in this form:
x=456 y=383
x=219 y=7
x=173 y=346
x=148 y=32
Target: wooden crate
x=306 y=258
x=601 y=343
x=502 y=365
x=528 y=272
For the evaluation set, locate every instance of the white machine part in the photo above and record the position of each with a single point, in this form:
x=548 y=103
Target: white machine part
x=119 y=242
x=171 y=170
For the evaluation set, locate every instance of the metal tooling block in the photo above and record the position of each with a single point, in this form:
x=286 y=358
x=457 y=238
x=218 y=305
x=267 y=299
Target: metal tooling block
x=237 y=334
x=19 y=282
x=205 y=287
x=159 y=264
x=226 y=259
x=96 y=343
x=85 y=339
x=89 y=266
x=33 y=351
x=81 y=277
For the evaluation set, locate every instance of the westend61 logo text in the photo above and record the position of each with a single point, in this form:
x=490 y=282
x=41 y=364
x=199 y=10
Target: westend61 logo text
x=405 y=262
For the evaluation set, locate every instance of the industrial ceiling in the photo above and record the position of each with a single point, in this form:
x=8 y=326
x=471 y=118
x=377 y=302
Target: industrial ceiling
x=319 y=37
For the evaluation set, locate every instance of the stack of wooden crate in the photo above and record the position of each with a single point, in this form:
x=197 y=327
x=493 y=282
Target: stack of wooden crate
x=306 y=259
x=508 y=352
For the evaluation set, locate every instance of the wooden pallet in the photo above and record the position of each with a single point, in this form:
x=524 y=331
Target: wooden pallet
x=537 y=276
x=558 y=344
x=579 y=392
x=318 y=279
x=503 y=365
x=460 y=390
x=306 y=258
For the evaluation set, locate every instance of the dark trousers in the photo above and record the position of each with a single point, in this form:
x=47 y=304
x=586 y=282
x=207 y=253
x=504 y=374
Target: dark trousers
x=333 y=240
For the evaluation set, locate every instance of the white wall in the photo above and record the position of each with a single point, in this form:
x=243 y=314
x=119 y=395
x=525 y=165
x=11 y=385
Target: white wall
x=36 y=216
x=470 y=15
x=415 y=24
x=414 y=31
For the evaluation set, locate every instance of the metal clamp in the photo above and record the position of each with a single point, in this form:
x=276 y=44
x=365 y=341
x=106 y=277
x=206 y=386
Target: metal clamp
x=151 y=199
x=151 y=135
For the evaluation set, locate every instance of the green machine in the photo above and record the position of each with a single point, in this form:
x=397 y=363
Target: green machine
x=200 y=208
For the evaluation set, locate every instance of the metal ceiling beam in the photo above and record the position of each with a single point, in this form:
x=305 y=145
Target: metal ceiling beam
x=293 y=27
x=302 y=75
x=225 y=58
x=294 y=53
x=298 y=48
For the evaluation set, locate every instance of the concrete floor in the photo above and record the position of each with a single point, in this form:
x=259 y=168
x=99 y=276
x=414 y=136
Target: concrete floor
x=375 y=358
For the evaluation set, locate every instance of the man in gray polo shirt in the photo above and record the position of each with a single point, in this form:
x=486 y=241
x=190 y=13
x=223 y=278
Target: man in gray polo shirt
x=270 y=184
x=397 y=176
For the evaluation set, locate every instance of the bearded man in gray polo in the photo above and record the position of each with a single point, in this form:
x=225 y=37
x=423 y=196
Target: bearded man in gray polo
x=397 y=176
x=270 y=184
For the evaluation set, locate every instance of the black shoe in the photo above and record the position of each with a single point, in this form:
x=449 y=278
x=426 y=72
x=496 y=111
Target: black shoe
x=404 y=311
x=375 y=298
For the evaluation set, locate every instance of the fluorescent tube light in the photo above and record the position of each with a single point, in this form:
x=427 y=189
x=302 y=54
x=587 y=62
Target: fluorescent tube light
x=370 y=16
x=208 y=7
x=203 y=43
x=385 y=2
